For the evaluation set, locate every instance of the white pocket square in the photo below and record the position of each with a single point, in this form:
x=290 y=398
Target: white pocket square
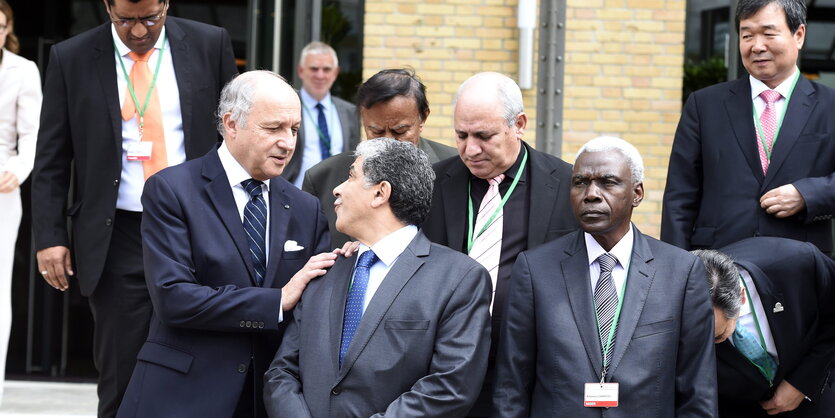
x=291 y=245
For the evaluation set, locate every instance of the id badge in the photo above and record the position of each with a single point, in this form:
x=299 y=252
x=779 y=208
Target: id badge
x=139 y=151
x=599 y=395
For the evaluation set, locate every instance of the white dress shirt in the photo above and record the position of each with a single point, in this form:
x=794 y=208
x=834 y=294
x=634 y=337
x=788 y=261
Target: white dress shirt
x=746 y=319
x=757 y=87
x=622 y=251
x=20 y=111
x=133 y=176
x=312 y=152
x=388 y=250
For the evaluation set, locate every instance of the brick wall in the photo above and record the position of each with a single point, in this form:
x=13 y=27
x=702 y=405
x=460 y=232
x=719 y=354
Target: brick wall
x=623 y=69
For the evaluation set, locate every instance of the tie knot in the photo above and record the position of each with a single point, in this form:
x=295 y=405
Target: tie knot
x=320 y=106
x=141 y=57
x=770 y=96
x=252 y=186
x=367 y=259
x=496 y=180
x=607 y=262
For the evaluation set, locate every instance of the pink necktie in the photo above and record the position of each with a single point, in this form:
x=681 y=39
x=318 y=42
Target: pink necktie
x=487 y=247
x=768 y=122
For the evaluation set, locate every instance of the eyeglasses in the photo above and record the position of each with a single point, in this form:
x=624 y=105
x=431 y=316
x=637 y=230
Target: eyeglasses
x=145 y=21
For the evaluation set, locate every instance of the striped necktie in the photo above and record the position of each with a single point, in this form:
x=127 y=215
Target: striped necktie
x=487 y=247
x=255 y=225
x=606 y=301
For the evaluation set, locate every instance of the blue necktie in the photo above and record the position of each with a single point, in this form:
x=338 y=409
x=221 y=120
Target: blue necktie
x=356 y=298
x=255 y=225
x=324 y=136
x=750 y=346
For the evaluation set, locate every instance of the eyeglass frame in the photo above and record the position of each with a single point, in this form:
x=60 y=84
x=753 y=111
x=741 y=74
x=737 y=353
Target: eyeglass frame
x=148 y=22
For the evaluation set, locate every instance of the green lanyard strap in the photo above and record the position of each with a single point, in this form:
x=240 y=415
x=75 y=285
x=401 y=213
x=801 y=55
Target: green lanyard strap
x=779 y=122
x=140 y=110
x=608 y=344
x=767 y=371
x=470 y=238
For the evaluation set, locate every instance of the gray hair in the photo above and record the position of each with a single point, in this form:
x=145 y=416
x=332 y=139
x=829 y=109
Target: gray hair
x=317 y=47
x=611 y=143
x=723 y=279
x=510 y=97
x=236 y=98
x=408 y=171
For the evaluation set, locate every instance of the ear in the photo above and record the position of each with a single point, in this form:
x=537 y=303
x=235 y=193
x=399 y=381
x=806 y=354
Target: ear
x=230 y=125
x=744 y=298
x=424 y=117
x=800 y=36
x=381 y=194
x=639 y=194
x=521 y=124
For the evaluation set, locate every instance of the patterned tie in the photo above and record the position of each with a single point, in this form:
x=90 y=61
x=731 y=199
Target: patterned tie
x=768 y=122
x=606 y=301
x=324 y=137
x=356 y=298
x=487 y=247
x=151 y=131
x=750 y=347
x=255 y=225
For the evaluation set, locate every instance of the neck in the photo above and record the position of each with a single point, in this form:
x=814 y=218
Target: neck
x=772 y=84
x=378 y=229
x=317 y=97
x=609 y=239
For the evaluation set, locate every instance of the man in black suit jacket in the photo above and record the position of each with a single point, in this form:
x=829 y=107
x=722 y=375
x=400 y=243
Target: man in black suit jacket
x=489 y=124
x=83 y=133
x=392 y=104
x=650 y=307
x=789 y=288
x=718 y=190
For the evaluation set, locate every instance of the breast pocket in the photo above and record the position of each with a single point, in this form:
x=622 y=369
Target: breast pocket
x=653 y=328
x=407 y=324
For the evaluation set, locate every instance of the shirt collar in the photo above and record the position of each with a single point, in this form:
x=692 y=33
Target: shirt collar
x=622 y=250
x=123 y=49
x=235 y=172
x=392 y=245
x=310 y=103
x=784 y=88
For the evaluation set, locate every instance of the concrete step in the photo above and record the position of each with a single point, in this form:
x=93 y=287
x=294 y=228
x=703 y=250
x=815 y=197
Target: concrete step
x=30 y=399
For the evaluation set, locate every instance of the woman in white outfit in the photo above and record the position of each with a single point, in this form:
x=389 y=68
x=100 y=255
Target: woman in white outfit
x=20 y=109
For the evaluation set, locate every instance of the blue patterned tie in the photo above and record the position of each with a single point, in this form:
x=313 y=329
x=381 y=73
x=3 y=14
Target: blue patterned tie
x=255 y=225
x=750 y=346
x=606 y=301
x=356 y=298
x=324 y=136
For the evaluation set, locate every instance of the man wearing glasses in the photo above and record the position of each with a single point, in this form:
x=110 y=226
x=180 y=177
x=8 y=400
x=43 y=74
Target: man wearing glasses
x=121 y=102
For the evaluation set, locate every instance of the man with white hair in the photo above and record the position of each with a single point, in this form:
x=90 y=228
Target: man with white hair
x=330 y=125
x=496 y=174
x=606 y=320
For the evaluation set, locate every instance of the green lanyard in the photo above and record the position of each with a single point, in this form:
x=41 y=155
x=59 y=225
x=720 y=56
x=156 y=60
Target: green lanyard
x=608 y=346
x=140 y=110
x=316 y=125
x=767 y=371
x=779 y=122
x=470 y=238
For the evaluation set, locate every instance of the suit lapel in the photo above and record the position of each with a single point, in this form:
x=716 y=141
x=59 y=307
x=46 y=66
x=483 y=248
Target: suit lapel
x=546 y=186
x=738 y=105
x=220 y=194
x=401 y=272
x=769 y=297
x=105 y=62
x=339 y=277
x=801 y=105
x=182 y=70
x=638 y=281
x=426 y=147
x=454 y=189
x=575 y=271
x=279 y=222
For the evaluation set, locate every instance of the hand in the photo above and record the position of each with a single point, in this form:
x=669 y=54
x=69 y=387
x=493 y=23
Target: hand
x=54 y=265
x=783 y=201
x=315 y=267
x=786 y=398
x=347 y=249
x=8 y=182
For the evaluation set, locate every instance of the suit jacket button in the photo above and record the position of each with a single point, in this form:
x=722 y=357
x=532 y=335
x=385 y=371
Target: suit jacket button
x=249 y=324
x=108 y=222
x=336 y=391
x=243 y=324
x=242 y=368
x=115 y=182
x=260 y=325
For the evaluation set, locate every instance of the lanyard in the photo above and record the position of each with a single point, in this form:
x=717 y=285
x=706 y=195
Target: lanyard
x=608 y=345
x=470 y=238
x=316 y=125
x=779 y=122
x=767 y=371
x=140 y=110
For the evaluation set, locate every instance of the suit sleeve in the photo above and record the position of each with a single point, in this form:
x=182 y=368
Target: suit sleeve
x=516 y=358
x=683 y=193
x=434 y=227
x=28 y=111
x=179 y=299
x=819 y=195
x=811 y=374
x=459 y=364
x=282 y=383
x=53 y=156
x=308 y=186
x=696 y=364
x=228 y=70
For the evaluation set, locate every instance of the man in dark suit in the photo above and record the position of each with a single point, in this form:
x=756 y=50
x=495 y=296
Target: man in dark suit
x=226 y=244
x=489 y=125
x=755 y=156
x=392 y=104
x=606 y=321
x=331 y=121
x=92 y=132
x=778 y=295
x=403 y=329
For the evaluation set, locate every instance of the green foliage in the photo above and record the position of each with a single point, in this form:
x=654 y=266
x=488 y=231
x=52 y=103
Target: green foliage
x=702 y=74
